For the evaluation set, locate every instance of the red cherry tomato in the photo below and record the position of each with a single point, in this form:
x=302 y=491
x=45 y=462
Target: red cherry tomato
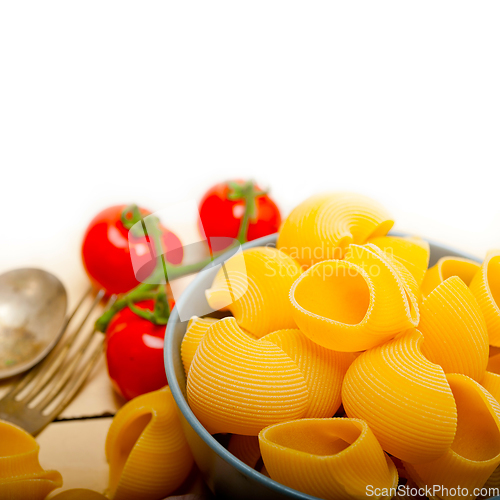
x=221 y=216
x=134 y=353
x=107 y=253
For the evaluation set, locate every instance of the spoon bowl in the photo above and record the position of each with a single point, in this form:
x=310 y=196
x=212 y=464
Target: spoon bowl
x=32 y=314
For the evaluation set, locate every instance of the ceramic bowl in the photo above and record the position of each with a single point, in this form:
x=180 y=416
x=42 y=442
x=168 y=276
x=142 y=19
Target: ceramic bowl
x=225 y=475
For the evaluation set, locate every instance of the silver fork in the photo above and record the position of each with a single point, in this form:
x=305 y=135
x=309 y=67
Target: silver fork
x=48 y=388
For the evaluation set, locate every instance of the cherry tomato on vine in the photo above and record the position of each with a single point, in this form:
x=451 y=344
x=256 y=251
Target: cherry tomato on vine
x=107 y=252
x=134 y=353
x=222 y=210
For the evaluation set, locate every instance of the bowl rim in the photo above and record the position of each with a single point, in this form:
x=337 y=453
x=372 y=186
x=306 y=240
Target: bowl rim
x=182 y=403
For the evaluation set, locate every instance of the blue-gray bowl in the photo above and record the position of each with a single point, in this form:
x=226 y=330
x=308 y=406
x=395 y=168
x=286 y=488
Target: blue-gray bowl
x=225 y=475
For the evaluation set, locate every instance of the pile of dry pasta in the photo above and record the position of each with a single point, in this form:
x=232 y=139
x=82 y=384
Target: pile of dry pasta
x=347 y=364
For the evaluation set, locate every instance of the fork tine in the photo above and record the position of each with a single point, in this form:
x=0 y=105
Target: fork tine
x=48 y=360
x=78 y=378
x=50 y=366
x=60 y=379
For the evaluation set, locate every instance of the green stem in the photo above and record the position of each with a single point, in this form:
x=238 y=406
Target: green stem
x=165 y=271
x=249 y=194
x=141 y=292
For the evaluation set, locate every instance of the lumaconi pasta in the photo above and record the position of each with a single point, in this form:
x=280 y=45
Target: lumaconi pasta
x=196 y=329
x=406 y=345
x=323 y=226
x=491 y=379
x=323 y=370
x=354 y=304
x=413 y=253
x=404 y=398
x=445 y=268
x=486 y=288
x=21 y=476
x=454 y=329
x=475 y=451
x=240 y=385
x=146 y=449
x=264 y=306
x=331 y=458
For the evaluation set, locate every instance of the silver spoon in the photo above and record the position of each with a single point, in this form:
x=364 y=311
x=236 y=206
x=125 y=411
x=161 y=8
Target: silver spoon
x=32 y=312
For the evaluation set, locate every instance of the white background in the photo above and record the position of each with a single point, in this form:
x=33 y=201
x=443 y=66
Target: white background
x=152 y=102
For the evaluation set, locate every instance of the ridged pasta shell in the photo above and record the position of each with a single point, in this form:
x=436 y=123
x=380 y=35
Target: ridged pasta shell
x=245 y=448
x=494 y=480
x=196 y=329
x=331 y=458
x=413 y=253
x=21 y=476
x=485 y=286
x=445 y=268
x=354 y=304
x=491 y=379
x=404 y=398
x=146 y=449
x=475 y=451
x=454 y=329
x=323 y=370
x=240 y=385
x=323 y=226
x=491 y=382
x=259 y=280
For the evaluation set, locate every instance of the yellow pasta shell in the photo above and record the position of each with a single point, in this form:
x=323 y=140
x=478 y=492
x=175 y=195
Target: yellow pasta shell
x=323 y=370
x=245 y=448
x=404 y=398
x=491 y=379
x=475 y=451
x=21 y=476
x=491 y=382
x=240 y=385
x=255 y=286
x=322 y=227
x=331 y=458
x=354 y=304
x=146 y=449
x=486 y=288
x=413 y=253
x=454 y=329
x=196 y=329
x=445 y=268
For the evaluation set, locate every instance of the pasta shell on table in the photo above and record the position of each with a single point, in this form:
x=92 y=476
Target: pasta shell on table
x=455 y=335
x=405 y=399
x=254 y=286
x=354 y=304
x=413 y=253
x=146 y=449
x=245 y=448
x=485 y=286
x=331 y=458
x=475 y=452
x=21 y=476
x=323 y=226
x=196 y=329
x=240 y=385
x=323 y=370
x=445 y=268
